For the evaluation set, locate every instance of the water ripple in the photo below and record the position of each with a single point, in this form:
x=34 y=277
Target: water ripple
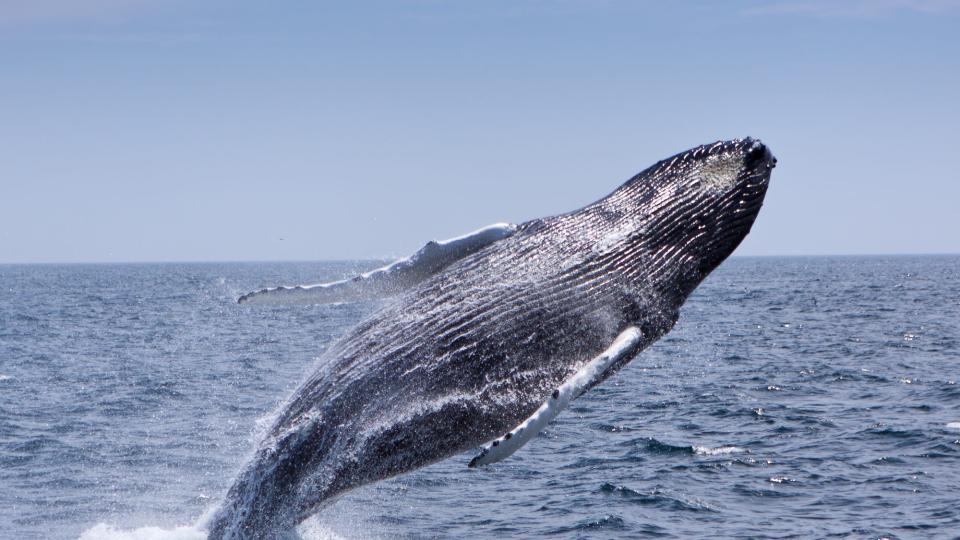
x=796 y=398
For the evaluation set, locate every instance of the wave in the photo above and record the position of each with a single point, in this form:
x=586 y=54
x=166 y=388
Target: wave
x=658 y=497
x=655 y=446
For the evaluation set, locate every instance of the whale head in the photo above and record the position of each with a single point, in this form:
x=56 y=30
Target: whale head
x=694 y=208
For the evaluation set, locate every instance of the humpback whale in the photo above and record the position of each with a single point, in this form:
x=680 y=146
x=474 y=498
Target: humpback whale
x=483 y=339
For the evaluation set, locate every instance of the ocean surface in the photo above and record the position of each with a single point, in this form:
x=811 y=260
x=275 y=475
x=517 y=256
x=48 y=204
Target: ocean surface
x=796 y=398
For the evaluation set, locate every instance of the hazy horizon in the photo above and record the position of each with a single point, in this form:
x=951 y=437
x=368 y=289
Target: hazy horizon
x=173 y=131
x=388 y=259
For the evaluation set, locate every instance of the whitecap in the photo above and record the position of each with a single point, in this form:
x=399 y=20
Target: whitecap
x=719 y=451
x=954 y=425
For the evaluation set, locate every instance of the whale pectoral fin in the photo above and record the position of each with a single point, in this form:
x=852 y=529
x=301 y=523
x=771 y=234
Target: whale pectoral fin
x=390 y=279
x=625 y=346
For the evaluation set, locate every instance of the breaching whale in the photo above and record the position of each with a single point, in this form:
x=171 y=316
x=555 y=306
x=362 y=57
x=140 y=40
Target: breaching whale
x=487 y=337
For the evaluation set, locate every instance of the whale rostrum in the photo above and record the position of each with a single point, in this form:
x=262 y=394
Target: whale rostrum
x=480 y=341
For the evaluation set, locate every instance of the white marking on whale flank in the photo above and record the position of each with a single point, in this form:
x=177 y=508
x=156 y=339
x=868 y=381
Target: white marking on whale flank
x=624 y=346
x=390 y=279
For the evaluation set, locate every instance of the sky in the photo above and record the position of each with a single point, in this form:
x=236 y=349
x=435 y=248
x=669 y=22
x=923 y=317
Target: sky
x=183 y=130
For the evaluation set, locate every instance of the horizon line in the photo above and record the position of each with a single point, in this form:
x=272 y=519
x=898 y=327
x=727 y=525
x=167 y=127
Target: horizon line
x=380 y=259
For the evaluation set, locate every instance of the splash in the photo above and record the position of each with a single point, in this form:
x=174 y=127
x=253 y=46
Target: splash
x=103 y=531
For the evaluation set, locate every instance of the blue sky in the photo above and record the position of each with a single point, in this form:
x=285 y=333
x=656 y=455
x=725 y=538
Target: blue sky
x=177 y=130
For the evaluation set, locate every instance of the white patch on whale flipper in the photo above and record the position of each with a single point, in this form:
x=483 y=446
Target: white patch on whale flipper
x=390 y=279
x=623 y=347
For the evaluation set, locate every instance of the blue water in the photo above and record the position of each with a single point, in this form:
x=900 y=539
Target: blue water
x=796 y=398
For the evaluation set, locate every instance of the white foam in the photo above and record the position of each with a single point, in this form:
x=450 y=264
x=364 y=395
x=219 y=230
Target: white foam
x=954 y=425
x=103 y=531
x=5 y=377
x=312 y=530
x=719 y=451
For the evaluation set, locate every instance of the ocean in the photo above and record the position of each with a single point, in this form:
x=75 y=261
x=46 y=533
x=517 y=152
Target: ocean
x=796 y=398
